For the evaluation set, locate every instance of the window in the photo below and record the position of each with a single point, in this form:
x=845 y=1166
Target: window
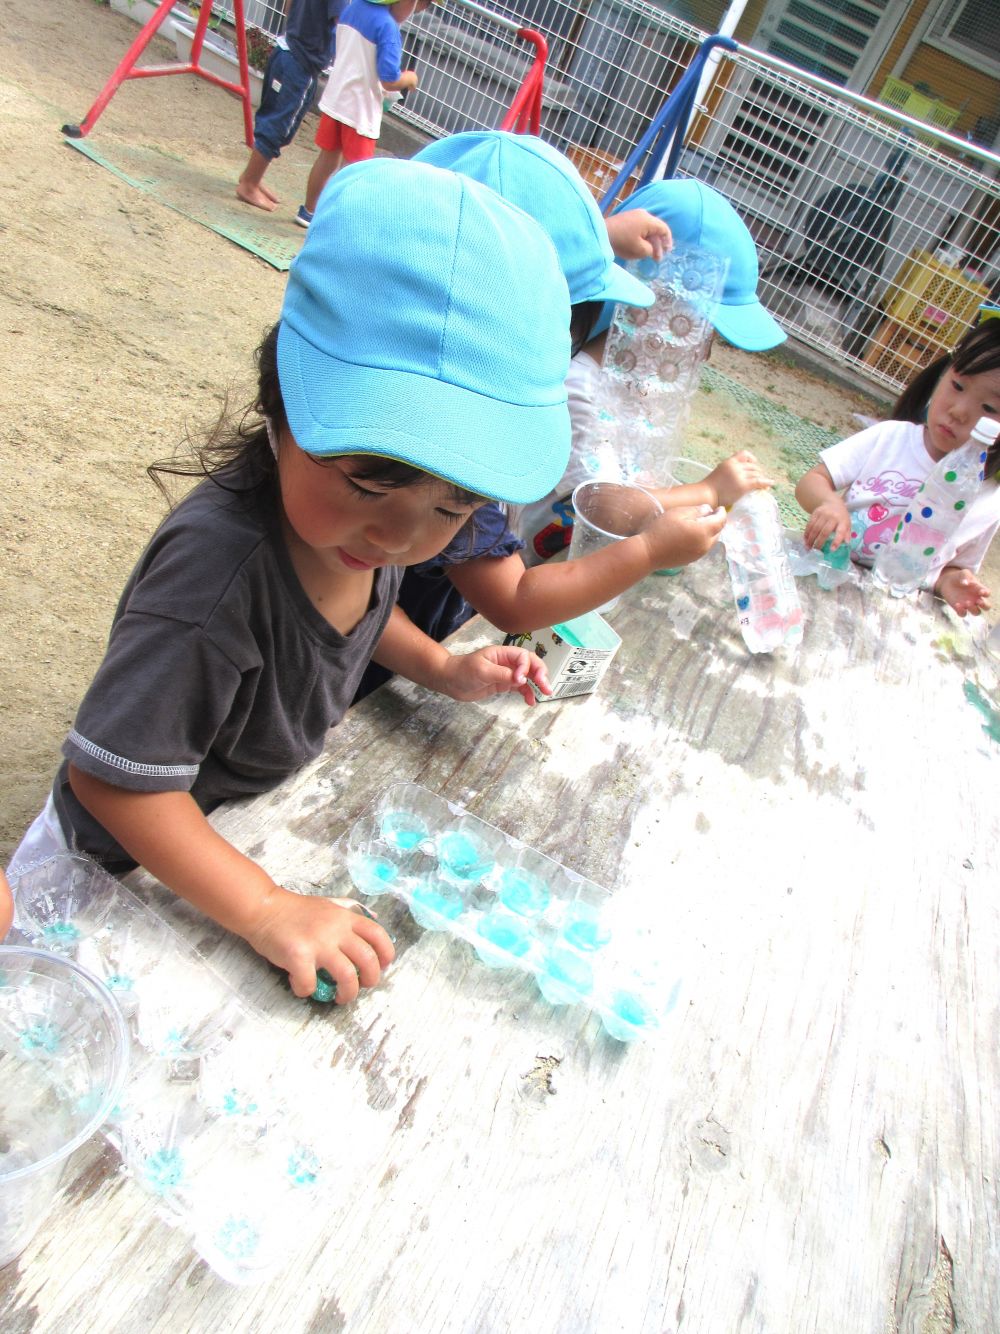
x=969 y=30
x=826 y=37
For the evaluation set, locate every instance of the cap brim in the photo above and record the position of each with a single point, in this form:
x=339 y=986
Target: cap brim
x=504 y=451
x=620 y=286
x=748 y=326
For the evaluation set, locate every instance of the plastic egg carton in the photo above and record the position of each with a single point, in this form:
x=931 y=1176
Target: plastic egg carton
x=219 y=1121
x=515 y=907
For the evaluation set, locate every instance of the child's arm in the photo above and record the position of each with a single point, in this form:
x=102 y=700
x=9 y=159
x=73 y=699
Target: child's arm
x=828 y=515
x=495 y=670
x=167 y=833
x=516 y=599
x=636 y=234
x=962 y=591
x=724 y=485
x=389 y=58
x=406 y=81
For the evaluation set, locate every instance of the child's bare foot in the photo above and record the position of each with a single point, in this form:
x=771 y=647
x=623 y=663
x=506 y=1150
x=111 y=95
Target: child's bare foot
x=256 y=195
x=270 y=193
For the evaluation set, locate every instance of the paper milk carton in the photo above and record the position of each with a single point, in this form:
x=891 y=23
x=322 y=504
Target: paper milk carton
x=576 y=653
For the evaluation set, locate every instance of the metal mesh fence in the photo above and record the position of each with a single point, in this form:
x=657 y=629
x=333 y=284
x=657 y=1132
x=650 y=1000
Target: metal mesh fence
x=606 y=73
x=878 y=238
x=878 y=234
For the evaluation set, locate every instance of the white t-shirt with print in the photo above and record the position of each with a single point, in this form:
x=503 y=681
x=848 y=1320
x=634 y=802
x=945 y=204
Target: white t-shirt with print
x=369 y=53
x=880 y=470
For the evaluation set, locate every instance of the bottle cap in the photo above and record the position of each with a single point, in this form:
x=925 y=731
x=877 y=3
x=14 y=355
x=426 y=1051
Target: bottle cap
x=986 y=430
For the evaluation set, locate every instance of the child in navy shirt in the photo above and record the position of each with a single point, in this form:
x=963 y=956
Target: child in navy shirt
x=290 y=81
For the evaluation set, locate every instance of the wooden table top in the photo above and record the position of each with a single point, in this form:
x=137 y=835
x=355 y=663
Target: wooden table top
x=811 y=1143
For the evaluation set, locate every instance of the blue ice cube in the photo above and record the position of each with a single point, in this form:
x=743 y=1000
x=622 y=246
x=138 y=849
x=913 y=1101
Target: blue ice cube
x=509 y=934
x=584 y=929
x=403 y=830
x=523 y=893
x=326 y=987
x=434 y=903
x=629 y=1016
x=372 y=874
x=237 y=1239
x=60 y=935
x=163 y=1170
x=463 y=856
x=564 y=977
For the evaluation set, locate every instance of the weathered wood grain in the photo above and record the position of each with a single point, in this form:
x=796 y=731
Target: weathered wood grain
x=811 y=1145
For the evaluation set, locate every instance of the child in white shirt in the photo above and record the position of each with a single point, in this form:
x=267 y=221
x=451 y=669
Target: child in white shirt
x=863 y=485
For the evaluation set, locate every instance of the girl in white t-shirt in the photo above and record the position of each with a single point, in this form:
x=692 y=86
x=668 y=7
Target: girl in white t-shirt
x=863 y=485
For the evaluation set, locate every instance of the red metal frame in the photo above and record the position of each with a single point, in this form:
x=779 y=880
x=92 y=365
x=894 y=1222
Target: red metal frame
x=525 y=114
x=125 y=69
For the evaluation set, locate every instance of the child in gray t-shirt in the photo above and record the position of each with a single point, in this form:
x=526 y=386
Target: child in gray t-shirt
x=392 y=411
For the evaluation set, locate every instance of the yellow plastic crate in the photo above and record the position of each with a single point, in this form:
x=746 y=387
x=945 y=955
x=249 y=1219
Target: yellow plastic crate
x=934 y=300
x=892 y=354
x=904 y=97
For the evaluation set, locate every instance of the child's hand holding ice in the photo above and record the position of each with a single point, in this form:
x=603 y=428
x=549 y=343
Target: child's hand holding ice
x=829 y=519
x=302 y=933
x=681 y=535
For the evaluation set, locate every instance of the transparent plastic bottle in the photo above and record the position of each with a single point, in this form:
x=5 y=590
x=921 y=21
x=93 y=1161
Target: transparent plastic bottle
x=767 y=603
x=937 y=509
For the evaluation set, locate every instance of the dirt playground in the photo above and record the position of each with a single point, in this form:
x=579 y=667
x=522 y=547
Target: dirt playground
x=126 y=328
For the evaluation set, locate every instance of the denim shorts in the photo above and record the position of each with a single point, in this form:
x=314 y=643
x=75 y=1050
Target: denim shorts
x=288 y=94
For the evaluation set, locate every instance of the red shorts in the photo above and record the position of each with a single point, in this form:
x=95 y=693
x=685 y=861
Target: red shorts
x=335 y=136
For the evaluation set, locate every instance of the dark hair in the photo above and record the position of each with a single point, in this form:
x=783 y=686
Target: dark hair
x=582 y=318
x=237 y=455
x=977 y=351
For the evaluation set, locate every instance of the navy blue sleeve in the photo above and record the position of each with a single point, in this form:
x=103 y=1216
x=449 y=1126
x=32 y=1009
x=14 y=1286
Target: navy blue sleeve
x=486 y=533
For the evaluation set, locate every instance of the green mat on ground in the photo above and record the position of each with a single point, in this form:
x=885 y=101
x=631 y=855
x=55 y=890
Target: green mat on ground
x=797 y=440
x=201 y=195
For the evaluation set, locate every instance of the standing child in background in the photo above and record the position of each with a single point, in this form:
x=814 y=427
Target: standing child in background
x=293 y=68
x=483 y=569
x=864 y=484
x=389 y=411
x=367 y=66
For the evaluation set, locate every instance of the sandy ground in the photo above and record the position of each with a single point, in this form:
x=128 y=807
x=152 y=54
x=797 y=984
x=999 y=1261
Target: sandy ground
x=126 y=326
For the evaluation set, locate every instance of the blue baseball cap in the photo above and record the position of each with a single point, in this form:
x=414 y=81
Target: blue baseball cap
x=427 y=320
x=699 y=216
x=532 y=174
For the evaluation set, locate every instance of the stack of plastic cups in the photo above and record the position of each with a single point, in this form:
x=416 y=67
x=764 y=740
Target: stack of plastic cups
x=64 y=1053
x=653 y=358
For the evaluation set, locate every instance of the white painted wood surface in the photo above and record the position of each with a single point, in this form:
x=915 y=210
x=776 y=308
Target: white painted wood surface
x=812 y=1143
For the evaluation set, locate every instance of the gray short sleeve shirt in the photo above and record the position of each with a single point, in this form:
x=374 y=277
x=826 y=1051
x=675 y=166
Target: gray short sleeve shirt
x=220 y=677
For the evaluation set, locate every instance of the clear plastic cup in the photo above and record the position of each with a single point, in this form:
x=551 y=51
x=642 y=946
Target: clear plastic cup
x=606 y=512
x=64 y=1054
